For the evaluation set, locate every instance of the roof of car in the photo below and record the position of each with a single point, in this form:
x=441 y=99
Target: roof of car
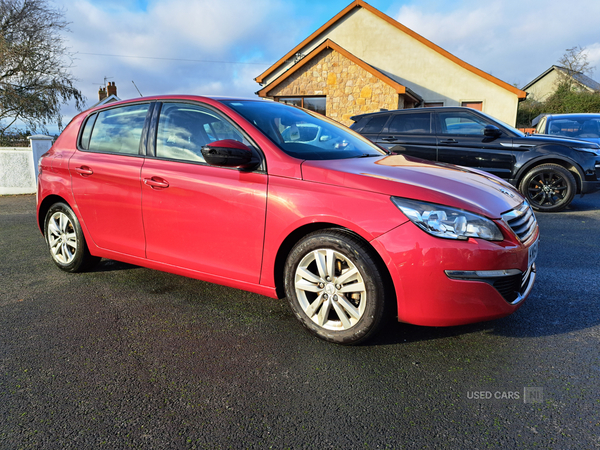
x=537 y=119
x=411 y=110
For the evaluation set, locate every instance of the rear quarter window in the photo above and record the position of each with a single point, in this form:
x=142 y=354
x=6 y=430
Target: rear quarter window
x=375 y=124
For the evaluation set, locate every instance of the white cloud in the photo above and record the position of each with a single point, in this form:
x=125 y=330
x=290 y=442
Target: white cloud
x=511 y=39
x=177 y=30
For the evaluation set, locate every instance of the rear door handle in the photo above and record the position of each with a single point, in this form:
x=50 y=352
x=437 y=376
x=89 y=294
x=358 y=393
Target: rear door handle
x=449 y=141
x=156 y=183
x=389 y=139
x=84 y=171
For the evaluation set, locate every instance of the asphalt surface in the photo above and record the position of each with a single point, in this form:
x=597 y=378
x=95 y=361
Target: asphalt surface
x=126 y=357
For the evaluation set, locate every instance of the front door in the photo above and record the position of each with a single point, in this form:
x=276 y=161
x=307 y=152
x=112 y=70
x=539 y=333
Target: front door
x=197 y=216
x=461 y=141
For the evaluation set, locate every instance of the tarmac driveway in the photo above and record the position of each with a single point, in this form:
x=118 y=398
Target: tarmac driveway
x=126 y=357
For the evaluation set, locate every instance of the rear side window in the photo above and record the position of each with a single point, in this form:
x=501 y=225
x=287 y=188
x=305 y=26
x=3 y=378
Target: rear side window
x=411 y=124
x=117 y=130
x=375 y=125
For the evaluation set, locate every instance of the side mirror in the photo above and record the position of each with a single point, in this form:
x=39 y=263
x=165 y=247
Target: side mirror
x=492 y=131
x=228 y=153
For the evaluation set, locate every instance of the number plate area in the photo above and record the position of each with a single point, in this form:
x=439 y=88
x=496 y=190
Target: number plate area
x=533 y=252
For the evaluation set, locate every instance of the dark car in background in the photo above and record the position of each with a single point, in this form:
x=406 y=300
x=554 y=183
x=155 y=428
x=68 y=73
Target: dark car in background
x=547 y=170
x=578 y=126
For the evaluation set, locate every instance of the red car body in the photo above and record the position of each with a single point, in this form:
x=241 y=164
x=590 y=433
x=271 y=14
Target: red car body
x=236 y=227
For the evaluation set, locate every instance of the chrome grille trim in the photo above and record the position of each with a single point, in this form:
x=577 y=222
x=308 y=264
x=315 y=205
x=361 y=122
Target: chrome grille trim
x=521 y=221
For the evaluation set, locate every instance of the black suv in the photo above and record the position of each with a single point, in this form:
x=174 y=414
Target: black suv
x=549 y=171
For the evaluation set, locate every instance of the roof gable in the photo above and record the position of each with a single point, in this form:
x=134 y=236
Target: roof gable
x=578 y=77
x=361 y=4
x=329 y=44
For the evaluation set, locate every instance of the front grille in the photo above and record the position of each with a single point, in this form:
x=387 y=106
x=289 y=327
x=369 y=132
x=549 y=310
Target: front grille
x=522 y=221
x=511 y=287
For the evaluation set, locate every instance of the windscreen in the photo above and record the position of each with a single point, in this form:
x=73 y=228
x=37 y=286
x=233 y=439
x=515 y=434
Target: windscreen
x=304 y=134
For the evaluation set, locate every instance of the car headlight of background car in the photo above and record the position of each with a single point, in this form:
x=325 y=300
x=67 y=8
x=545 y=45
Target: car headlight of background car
x=445 y=222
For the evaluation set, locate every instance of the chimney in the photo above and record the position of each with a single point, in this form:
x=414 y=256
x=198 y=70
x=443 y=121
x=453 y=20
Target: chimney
x=101 y=94
x=111 y=89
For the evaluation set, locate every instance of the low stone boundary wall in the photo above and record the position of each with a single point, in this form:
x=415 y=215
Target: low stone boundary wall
x=18 y=166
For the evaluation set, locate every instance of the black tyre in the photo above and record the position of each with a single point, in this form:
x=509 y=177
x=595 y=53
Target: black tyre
x=66 y=241
x=335 y=287
x=548 y=187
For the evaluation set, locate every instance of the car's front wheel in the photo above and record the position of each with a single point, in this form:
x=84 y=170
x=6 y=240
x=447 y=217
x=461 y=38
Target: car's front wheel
x=65 y=240
x=548 y=187
x=335 y=287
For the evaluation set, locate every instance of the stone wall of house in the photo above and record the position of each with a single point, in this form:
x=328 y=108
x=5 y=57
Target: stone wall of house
x=349 y=88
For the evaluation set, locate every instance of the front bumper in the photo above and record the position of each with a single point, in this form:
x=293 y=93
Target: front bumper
x=430 y=289
x=587 y=187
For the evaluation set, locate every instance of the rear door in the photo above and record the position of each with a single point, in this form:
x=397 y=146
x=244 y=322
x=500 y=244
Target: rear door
x=105 y=178
x=410 y=134
x=461 y=141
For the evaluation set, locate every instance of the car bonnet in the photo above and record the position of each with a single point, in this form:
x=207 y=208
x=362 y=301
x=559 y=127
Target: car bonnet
x=413 y=178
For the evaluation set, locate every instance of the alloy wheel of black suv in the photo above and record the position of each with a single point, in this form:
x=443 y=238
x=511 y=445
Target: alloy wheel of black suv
x=547 y=170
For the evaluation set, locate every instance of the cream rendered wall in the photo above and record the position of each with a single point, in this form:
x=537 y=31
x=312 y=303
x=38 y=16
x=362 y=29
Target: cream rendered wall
x=541 y=90
x=413 y=64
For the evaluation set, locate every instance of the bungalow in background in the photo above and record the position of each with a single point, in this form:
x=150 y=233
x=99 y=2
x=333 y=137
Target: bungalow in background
x=543 y=86
x=363 y=61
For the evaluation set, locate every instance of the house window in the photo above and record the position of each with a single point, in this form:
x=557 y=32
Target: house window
x=475 y=105
x=432 y=104
x=316 y=104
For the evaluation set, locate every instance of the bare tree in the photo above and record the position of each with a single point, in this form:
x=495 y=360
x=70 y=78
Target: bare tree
x=575 y=61
x=34 y=65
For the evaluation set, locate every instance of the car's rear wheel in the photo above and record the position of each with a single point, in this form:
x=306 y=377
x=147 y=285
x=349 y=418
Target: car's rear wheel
x=335 y=287
x=548 y=187
x=65 y=240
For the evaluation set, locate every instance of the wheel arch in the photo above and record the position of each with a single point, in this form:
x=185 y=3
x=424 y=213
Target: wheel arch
x=299 y=233
x=568 y=164
x=45 y=206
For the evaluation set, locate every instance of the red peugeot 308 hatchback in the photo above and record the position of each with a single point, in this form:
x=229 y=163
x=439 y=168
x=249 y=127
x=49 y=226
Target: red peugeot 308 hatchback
x=284 y=202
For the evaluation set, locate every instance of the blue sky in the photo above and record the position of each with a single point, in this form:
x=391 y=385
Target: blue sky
x=220 y=46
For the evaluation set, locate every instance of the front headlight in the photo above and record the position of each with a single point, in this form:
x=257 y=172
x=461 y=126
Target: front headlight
x=445 y=222
x=595 y=151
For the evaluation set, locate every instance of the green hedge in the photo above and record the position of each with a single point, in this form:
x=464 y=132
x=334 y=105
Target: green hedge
x=565 y=100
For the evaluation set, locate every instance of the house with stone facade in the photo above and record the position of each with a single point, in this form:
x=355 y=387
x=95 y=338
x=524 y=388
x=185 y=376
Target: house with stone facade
x=363 y=61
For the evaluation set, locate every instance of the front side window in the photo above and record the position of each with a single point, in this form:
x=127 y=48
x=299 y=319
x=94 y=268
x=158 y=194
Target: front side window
x=462 y=123
x=183 y=129
x=118 y=130
x=303 y=134
x=410 y=124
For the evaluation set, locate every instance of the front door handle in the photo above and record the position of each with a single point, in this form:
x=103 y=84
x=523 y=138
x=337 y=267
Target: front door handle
x=84 y=171
x=156 y=183
x=389 y=139
x=449 y=141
